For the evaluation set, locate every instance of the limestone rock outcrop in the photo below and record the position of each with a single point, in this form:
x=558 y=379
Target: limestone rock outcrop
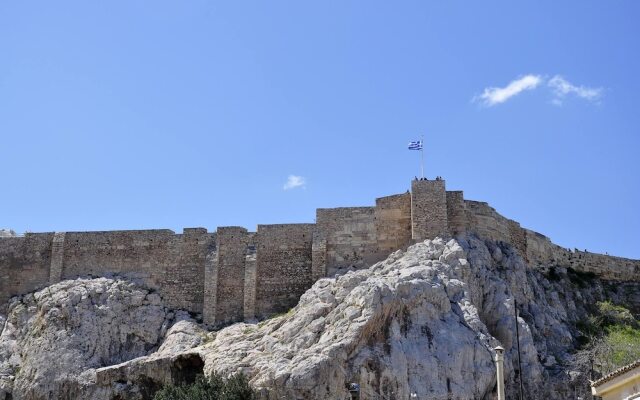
x=421 y=324
x=404 y=328
x=56 y=337
x=7 y=233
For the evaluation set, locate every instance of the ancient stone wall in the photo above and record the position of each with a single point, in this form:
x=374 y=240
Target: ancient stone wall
x=428 y=209
x=183 y=284
x=234 y=274
x=250 y=282
x=518 y=237
x=393 y=223
x=229 y=276
x=172 y=264
x=283 y=266
x=350 y=234
x=57 y=257
x=318 y=255
x=456 y=212
x=541 y=252
x=24 y=264
x=145 y=254
x=5 y=278
x=605 y=266
x=210 y=287
x=486 y=222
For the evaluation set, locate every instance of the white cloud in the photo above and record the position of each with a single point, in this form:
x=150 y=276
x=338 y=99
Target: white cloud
x=561 y=88
x=294 y=181
x=493 y=95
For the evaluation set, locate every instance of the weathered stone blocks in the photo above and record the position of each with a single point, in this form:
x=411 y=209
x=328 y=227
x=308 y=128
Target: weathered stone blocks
x=229 y=279
x=428 y=209
x=234 y=274
x=283 y=268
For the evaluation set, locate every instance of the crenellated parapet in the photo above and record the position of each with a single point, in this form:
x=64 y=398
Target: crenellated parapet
x=234 y=274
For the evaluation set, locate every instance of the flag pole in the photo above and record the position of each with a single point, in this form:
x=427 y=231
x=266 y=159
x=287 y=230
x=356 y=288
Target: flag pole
x=422 y=156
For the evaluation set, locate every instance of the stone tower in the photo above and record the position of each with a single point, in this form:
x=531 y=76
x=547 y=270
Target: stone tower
x=428 y=209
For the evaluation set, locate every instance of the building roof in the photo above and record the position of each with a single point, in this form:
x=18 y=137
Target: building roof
x=616 y=373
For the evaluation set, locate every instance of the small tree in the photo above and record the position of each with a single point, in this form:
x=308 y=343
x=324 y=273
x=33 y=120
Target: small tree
x=212 y=388
x=613 y=339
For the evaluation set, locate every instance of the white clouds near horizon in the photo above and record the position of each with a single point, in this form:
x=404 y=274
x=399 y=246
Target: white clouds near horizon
x=294 y=181
x=495 y=95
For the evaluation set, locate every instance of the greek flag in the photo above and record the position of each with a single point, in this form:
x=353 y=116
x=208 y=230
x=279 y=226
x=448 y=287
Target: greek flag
x=416 y=145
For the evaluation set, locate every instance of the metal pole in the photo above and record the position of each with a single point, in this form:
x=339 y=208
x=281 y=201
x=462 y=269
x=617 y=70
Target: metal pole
x=500 y=371
x=515 y=310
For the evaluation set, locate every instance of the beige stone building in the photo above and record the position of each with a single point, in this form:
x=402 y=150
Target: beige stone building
x=621 y=384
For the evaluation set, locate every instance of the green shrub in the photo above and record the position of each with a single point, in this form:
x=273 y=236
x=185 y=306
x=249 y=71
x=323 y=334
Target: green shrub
x=615 y=315
x=623 y=344
x=590 y=326
x=611 y=339
x=606 y=314
x=214 y=388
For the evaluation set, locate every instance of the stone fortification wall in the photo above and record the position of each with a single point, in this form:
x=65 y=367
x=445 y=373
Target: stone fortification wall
x=486 y=222
x=539 y=251
x=428 y=209
x=210 y=294
x=605 y=266
x=283 y=266
x=542 y=252
x=145 y=254
x=318 y=256
x=183 y=285
x=234 y=274
x=350 y=234
x=57 y=257
x=250 y=279
x=172 y=264
x=456 y=212
x=24 y=264
x=228 y=276
x=518 y=237
x=393 y=223
x=360 y=236
x=160 y=259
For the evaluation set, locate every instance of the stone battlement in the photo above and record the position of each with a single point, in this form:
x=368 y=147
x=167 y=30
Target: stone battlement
x=233 y=274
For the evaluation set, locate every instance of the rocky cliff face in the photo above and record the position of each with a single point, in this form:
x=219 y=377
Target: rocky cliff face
x=53 y=339
x=421 y=324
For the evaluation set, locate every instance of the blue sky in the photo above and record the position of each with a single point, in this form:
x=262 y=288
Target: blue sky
x=164 y=114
